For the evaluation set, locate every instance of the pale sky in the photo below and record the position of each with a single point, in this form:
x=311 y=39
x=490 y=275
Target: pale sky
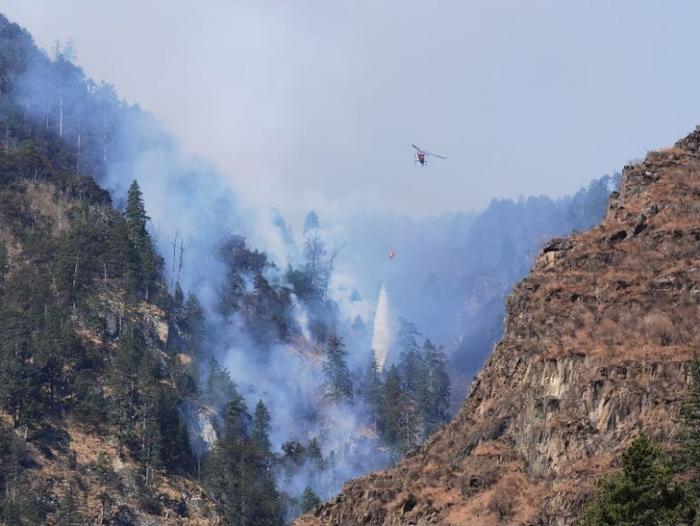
x=308 y=104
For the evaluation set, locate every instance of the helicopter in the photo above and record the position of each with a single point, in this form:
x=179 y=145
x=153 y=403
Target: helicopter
x=422 y=155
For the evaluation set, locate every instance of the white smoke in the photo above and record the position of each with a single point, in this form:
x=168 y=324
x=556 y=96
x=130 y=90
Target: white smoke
x=381 y=332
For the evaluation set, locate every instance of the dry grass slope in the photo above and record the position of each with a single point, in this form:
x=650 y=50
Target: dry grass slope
x=596 y=346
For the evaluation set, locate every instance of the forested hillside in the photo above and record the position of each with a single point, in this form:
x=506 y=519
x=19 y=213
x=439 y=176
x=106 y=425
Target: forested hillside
x=159 y=366
x=115 y=403
x=100 y=357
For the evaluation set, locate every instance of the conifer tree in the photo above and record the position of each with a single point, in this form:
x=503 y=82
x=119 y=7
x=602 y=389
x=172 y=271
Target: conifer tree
x=338 y=380
x=688 y=457
x=398 y=422
x=260 y=431
x=435 y=398
x=315 y=455
x=135 y=214
x=642 y=493
x=150 y=263
x=238 y=470
x=224 y=464
x=309 y=500
x=263 y=499
x=372 y=387
x=218 y=389
x=194 y=325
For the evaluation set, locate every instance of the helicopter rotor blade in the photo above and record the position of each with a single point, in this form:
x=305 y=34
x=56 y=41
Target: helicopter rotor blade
x=416 y=147
x=435 y=155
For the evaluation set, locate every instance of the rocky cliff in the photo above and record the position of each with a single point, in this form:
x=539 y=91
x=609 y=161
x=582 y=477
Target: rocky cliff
x=596 y=345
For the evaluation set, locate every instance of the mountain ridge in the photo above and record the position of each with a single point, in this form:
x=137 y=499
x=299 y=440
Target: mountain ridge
x=596 y=348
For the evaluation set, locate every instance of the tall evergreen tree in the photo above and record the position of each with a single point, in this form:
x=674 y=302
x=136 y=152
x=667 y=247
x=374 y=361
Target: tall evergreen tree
x=224 y=464
x=315 y=455
x=435 y=397
x=218 y=389
x=399 y=421
x=263 y=499
x=150 y=262
x=194 y=325
x=338 y=380
x=135 y=214
x=372 y=387
x=260 y=430
x=238 y=470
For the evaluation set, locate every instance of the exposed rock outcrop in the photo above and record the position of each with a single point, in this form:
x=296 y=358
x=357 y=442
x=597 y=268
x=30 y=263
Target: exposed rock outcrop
x=596 y=348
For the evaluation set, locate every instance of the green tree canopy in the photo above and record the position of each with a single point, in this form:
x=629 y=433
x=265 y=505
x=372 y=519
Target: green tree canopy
x=642 y=493
x=309 y=500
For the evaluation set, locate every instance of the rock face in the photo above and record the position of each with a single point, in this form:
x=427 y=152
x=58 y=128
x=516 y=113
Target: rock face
x=596 y=348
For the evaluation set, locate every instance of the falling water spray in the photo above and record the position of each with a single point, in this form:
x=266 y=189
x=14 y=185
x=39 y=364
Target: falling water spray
x=381 y=333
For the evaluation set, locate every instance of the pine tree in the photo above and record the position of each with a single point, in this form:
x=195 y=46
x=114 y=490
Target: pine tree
x=263 y=501
x=150 y=263
x=642 y=493
x=218 y=389
x=194 y=325
x=309 y=500
x=238 y=470
x=372 y=387
x=315 y=455
x=408 y=336
x=224 y=464
x=435 y=399
x=688 y=459
x=260 y=430
x=338 y=380
x=398 y=419
x=135 y=214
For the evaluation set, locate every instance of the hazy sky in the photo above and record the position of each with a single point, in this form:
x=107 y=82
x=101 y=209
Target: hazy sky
x=309 y=103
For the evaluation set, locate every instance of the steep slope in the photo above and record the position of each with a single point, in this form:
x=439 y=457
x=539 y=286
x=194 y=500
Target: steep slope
x=64 y=309
x=96 y=355
x=595 y=349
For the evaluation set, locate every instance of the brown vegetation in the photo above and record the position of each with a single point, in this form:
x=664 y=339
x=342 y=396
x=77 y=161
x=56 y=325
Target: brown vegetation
x=596 y=348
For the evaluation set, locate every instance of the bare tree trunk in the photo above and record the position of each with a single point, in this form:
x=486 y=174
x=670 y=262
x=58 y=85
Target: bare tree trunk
x=60 y=116
x=75 y=272
x=172 y=276
x=182 y=254
x=46 y=114
x=77 y=160
x=104 y=138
